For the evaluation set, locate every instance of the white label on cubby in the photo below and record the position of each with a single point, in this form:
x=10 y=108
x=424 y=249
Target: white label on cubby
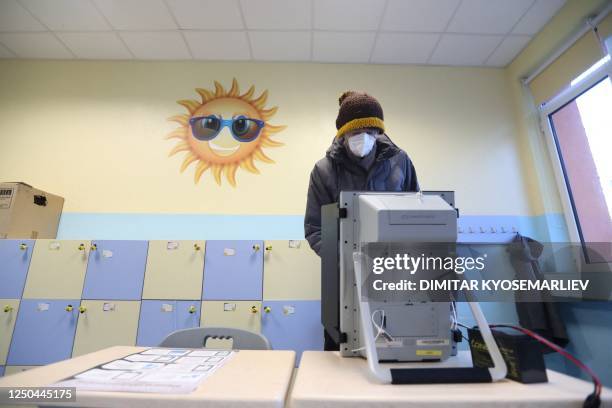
x=294 y=243
x=107 y=253
x=41 y=307
x=229 y=251
x=288 y=310
x=229 y=307
x=54 y=245
x=108 y=307
x=167 y=307
x=172 y=245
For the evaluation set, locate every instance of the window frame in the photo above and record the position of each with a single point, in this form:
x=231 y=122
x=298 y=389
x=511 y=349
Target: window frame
x=558 y=102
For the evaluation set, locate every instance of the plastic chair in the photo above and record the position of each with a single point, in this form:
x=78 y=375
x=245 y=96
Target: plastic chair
x=197 y=337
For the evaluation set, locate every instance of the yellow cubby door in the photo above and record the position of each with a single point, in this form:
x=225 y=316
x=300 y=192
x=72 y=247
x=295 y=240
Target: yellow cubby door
x=175 y=270
x=240 y=314
x=292 y=271
x=57 y=270
x=8 y=316
x=105 y=323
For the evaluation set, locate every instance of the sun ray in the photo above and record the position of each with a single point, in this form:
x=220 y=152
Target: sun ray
x=216 y=170
x=190 y=158
x=260 y=102
x=247 y=96
x=274 y=129
x=267 y=142
x=180 y=119
x=235 y=90
x=202 y=167
x=219 y=90
x=190 y=104
x=177 y=134
x=261 y=156
x=230 y=173
x=248 y=165
x=205 y=94
x=181 y=147
x=268 y=113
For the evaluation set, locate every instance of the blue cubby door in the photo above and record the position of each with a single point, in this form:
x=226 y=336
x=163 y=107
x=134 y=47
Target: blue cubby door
x=44 y=332
x=15 y=258
x=115 y=270
x=292 y=325
x=233 y=270
x=1 y=371
x=187 y=314
x=159 y=318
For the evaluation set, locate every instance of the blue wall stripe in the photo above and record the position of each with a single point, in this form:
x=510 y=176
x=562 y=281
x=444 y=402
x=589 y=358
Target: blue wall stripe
x=179 y=226
x=497 y=228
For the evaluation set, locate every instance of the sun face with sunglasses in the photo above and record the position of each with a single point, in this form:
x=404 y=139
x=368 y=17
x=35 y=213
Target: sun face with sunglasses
x=224 y=132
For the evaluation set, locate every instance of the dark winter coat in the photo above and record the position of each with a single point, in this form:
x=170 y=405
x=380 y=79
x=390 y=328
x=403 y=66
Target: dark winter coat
x=337 y=171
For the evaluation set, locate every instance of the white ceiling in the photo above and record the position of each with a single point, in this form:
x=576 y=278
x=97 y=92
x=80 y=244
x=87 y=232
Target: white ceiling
x=437 y=32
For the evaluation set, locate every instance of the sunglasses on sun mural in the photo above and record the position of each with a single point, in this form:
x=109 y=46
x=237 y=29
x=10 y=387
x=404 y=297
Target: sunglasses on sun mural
x=243 y=129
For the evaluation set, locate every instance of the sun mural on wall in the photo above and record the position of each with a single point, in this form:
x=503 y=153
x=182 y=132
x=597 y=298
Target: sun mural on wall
x=224 y=132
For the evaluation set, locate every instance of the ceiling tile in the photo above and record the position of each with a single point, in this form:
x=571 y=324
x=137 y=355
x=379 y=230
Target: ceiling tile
x=507 y=50
x=5 y=52
x=95 y=45
x=35 y=45
x=137 y=14
x=341 y=15
x=218 y=45
x=537 y=16
x=400 y=48
x=342 y=47
x=280 y=46
x=488 y=16
x=207 y=14
x=277 y=14
x=13 y=17
x=156 y=45
x=458 y=49
x=418 y=15
x=68 y=15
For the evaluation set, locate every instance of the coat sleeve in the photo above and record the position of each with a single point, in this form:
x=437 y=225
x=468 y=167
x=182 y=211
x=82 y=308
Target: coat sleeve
x=317 y=196
x=411 y=181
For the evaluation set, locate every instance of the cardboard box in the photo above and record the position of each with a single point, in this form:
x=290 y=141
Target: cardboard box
x=26 y=212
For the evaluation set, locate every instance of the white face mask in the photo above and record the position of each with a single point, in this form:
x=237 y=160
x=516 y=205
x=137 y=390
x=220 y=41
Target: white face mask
x=361 y=144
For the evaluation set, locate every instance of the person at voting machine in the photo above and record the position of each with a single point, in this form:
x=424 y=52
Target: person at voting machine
x=361 y=157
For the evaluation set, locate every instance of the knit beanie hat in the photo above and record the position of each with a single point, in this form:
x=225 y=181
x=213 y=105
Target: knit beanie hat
x=358 y=110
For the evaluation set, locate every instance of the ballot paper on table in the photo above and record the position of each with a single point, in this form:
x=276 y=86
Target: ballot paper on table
x=156 y=370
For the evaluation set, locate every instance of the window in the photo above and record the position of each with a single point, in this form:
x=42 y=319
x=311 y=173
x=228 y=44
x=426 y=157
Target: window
x=580 y=128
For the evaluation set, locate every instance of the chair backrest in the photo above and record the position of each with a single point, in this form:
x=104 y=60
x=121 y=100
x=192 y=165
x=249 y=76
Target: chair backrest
x=197 y=337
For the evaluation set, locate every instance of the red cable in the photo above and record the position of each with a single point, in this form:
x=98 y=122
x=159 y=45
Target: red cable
x=559 y=350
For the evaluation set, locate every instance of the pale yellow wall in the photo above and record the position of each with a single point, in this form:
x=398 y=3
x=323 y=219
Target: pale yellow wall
x=541 y=184
x=93 y=132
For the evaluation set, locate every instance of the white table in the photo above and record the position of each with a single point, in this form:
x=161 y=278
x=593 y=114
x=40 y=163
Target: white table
x=253 y=378
x=325 y=379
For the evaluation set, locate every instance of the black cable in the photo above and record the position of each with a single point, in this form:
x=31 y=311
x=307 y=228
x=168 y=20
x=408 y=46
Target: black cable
x=594 y=399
